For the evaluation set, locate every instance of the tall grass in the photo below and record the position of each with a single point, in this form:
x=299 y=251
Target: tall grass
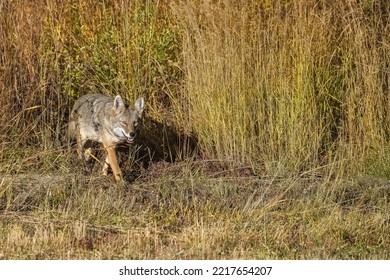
x=289 y=85
x=53 y=52
x=294 y=84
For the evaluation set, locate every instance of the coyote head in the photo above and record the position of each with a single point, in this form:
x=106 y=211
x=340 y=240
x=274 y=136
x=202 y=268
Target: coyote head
x=126 y=121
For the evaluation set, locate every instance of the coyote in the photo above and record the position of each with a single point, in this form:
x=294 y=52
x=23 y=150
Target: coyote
x=106 y=120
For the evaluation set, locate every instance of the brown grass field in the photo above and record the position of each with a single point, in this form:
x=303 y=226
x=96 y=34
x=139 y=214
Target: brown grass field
x=266 y=132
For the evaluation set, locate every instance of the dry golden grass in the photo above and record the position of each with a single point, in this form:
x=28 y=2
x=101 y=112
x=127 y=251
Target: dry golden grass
x=267 y=129
x=190 y=212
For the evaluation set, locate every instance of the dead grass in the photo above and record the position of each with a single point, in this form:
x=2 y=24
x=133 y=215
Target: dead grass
x=187 y=211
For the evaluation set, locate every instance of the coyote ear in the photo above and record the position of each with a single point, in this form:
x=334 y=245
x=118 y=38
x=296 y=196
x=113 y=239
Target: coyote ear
x=139 y=105
x=118 y=103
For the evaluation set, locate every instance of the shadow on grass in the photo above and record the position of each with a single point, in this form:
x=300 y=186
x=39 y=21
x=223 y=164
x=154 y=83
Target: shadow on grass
x=157 y=142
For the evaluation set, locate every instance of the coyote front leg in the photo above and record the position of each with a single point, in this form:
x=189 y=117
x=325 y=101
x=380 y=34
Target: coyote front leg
x=112 y=161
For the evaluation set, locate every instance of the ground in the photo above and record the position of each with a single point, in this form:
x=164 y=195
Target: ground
x=193 y=210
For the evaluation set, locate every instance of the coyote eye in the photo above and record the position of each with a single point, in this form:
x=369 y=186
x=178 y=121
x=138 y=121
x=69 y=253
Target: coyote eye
x=135 y=123
x=124 y=123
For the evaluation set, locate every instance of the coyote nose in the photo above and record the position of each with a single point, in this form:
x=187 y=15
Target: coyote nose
x=132 y=134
